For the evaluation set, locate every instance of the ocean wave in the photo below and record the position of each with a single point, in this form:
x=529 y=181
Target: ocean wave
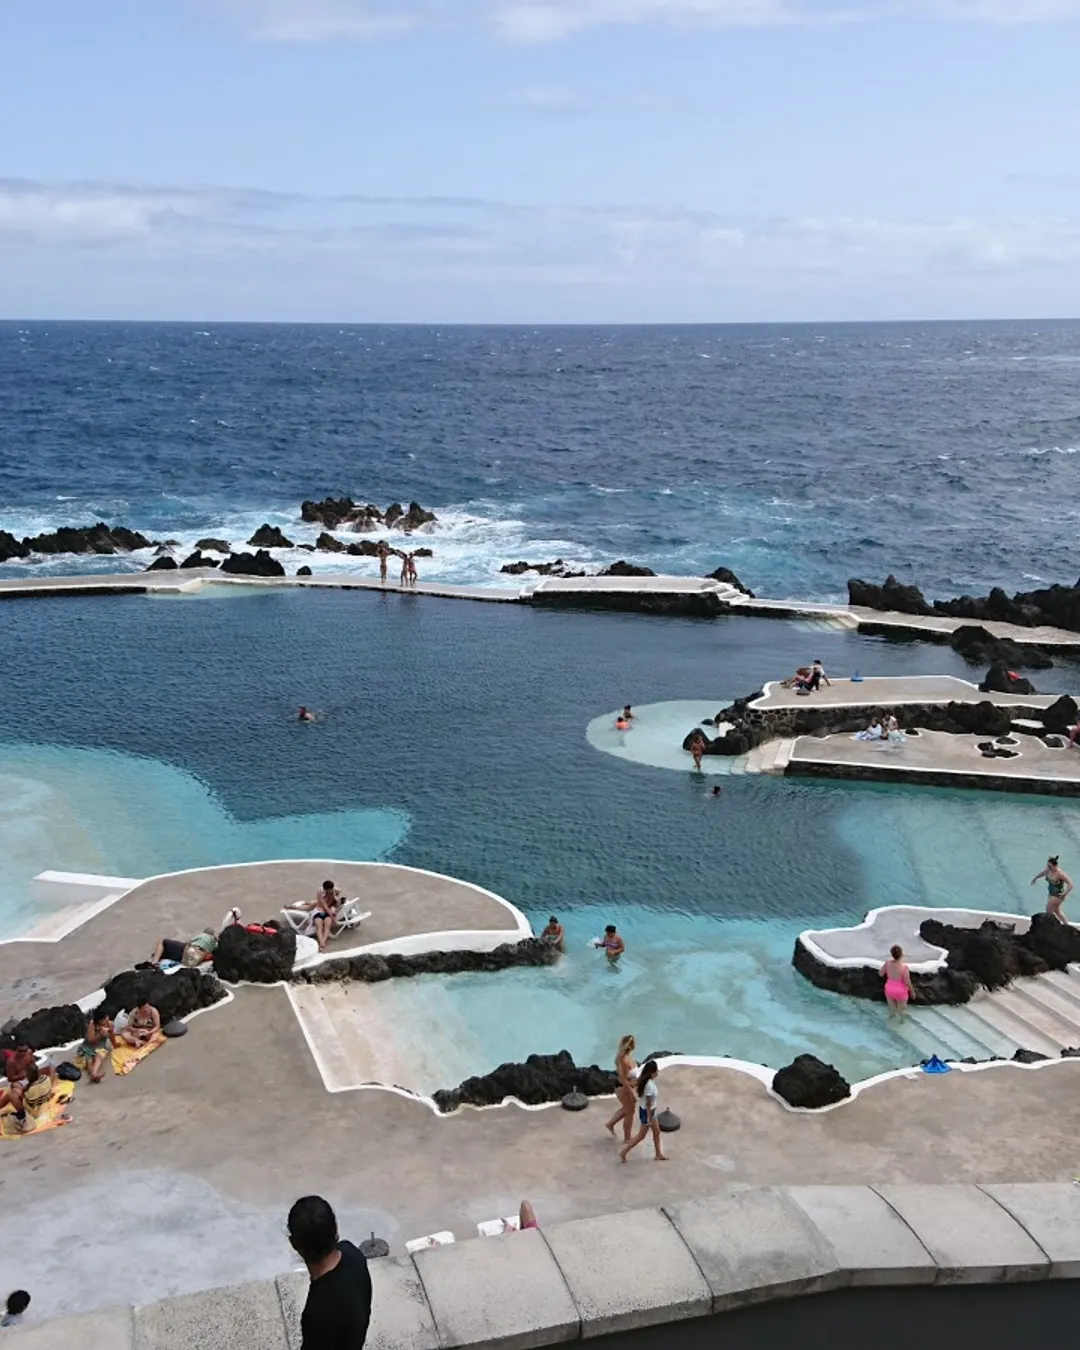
x=1037 y=451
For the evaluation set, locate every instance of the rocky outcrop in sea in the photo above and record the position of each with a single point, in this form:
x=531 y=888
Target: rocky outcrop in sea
x=99 y=538
x=338 y=513
x=1054 y=606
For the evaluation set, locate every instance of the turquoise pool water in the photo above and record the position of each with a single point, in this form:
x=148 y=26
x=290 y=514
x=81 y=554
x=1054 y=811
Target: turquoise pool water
x=140 y=736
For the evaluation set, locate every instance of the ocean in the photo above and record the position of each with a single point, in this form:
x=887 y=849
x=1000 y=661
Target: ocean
x=796 y=455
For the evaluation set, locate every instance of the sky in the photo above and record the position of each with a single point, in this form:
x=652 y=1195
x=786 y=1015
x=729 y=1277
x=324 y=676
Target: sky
x=539 y=161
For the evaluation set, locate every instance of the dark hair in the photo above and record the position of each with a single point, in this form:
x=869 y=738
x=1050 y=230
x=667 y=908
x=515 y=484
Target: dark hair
x=18 y=1302
x=553 y=919
x=817 y=660
x=610 y=928
x=1053 y=860
x=313 y=1228
x=648 y=1071
x=896 y=951
x=328 y=885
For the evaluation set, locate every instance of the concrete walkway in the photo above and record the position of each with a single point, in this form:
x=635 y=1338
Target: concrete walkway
x=935 y=627
x=403 y=901
x=195 y=1158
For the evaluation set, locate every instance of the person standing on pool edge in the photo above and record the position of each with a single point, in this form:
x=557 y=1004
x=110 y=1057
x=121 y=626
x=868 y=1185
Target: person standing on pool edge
x=1058 y=886
x=338 y=1308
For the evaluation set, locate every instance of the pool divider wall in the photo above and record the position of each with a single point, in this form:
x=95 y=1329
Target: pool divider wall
x=652 y=1267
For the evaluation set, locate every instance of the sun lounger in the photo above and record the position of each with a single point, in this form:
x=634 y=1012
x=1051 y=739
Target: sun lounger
x=432 y=1240
x=349 y=916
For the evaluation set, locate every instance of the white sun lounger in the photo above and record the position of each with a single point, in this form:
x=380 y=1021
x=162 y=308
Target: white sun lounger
x=349 y=916
x=432 y=1240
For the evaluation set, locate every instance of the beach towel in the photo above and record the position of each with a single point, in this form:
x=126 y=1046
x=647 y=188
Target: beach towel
x=49 y=1117
x=126 y=1057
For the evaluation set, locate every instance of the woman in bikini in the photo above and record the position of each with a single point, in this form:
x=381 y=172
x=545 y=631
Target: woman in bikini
x=143 y=1025
x=627 y=1070
x=648 y=1096
x=898 y=986
x=1058 y=886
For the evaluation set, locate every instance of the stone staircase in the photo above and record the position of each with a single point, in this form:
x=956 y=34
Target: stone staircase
x=772 y=757
x=1040 y=1014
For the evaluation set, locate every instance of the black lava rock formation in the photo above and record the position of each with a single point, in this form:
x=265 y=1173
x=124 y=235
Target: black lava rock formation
x=728 y=577
x=371 y=969
x=542 y=1078
x=981 y=648
x=950 y=985
x=163 y=564
x=269 y=536
x=259 y=958
x=995 y=954
x=214 y=545
x=198 y=559
x=258 y=564
x=174 y=996
x=99 y=538
x=808 y=1082
x=999 y=679
x=336 y=512
x=1052 y=606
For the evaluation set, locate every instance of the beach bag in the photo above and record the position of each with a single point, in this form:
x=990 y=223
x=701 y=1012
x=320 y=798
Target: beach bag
x=70 y=1073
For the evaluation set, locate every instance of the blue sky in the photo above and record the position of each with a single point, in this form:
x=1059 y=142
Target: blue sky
x=554 y=161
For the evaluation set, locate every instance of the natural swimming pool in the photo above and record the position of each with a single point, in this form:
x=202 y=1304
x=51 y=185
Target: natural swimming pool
x=141 y=735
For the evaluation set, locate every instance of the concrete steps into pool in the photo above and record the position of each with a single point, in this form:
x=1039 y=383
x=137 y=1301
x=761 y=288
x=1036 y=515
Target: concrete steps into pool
x=772 y=757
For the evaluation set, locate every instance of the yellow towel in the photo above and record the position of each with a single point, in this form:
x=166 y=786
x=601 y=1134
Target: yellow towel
x=126 y=1057
x=49 y=1117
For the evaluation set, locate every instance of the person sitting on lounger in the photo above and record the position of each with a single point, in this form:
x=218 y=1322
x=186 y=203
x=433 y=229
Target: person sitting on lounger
x=324 y=910
x=143 y=1025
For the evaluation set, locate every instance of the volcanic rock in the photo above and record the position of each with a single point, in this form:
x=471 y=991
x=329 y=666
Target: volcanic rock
x=414 y=517
x=46 y=1028
x=1000 y=680
x=728 y=577
x=542 y=1078
x=1022 y=1056
x=892 y=596
x=423 y=553
x=258 y=564
x=10 y=547
x=331 y=511
x=303 y=571
x=326 y=543
x=99 y=538
x=366 y=548
x=198 y=559
x=174 y=996
x=259 y=958
x=269 y=536
x=371 y=969
x=808 y=1082
x=545 y=569
x=214 y=545
x=1061 y=714
x=163 y=564
x=942 y=986
x=625 y=569
x=979 y=647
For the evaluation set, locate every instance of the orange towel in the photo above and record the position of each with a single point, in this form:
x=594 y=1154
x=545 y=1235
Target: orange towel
x=127 y=1057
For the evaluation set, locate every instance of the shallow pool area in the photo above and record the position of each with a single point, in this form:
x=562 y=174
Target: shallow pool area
x=139 y=737
x=656 y=735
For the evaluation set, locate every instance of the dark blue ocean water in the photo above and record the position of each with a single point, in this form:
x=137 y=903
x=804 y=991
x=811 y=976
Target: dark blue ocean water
x=796 y=455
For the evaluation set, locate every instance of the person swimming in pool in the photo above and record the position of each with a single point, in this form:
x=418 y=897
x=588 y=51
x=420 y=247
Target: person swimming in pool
x=717 y=791
x=554 y=934
x=1058 y=886
x=305 y=715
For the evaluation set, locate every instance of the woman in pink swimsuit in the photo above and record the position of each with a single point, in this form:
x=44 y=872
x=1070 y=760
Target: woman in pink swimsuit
x=898 y=987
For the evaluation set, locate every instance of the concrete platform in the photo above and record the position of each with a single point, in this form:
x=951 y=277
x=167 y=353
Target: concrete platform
x=866 y=944
x=403 y=901
x=882 y=691
x=936 y=757
x=723 y=600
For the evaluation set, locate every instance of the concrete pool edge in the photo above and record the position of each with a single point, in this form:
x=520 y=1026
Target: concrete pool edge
x=741 y=1246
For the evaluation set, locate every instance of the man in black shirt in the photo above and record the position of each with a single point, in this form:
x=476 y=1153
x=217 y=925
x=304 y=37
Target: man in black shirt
x=338 y=1306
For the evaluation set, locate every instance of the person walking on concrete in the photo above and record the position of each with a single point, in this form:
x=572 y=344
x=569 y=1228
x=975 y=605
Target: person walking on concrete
x=648 y=1099
x=338 y=1308
x=1058 y=886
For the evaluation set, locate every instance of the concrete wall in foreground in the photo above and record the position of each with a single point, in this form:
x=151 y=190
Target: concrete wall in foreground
x=619 y=1274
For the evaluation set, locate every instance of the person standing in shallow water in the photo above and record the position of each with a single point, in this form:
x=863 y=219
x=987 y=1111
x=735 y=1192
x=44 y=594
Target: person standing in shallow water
x=1058 y=886
x=338 y=1308
x=898 y=986
x=384 y=554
